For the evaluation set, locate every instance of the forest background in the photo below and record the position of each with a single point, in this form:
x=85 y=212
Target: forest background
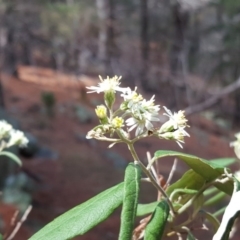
x=186 y=52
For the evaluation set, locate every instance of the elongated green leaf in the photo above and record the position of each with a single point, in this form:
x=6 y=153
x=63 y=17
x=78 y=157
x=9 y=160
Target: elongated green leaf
x=207 y=169
x=215 y=199
x=155 y=227
x=82 y=218
x=147 y=208
x=190 y=236
x=210 y=191
x=212 y=219
x=197 y=205
x=1 y=237
x=12 y=156
x=130 y=200
x=223 y=162
x=189 y=180
x=144 y=209
x=219 y=212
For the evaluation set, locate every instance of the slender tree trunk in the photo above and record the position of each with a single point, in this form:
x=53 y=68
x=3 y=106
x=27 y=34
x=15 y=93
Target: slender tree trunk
x=237 y=93
x=178 y=51
x=105 y=9
x=181 y=20
x=144 y=41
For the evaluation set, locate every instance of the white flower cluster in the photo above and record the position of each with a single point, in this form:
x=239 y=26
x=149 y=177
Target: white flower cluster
x=236 y=145
x=142 y=112
x=10 y=136
x=135 y=112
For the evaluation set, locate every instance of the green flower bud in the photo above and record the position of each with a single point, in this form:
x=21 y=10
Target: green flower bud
x=109 y=98
x=118 y=122
x=101 y=112
x=166 y=127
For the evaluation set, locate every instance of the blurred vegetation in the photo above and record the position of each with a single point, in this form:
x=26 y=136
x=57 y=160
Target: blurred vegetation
x=49 y=101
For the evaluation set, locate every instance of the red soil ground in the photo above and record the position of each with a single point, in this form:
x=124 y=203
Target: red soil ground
x=81 y=172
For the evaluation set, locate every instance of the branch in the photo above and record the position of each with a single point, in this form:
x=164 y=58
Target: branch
x=214 y=99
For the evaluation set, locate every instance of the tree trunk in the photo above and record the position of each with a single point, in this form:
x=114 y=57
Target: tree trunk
x=105 y=10
x=180 y=21
x=144 y=41
x=178 y=57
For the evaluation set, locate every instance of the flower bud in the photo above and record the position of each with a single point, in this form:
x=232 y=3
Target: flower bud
x=166 y=127
x=109 y=98
x=117 y=122
x=177 y=135
x=101 y=112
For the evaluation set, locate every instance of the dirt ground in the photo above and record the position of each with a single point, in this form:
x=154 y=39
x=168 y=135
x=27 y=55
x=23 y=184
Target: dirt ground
x=85 y=168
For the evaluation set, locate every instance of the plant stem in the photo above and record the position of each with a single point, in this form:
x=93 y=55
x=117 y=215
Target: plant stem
x=150 y=176
x=190 y=202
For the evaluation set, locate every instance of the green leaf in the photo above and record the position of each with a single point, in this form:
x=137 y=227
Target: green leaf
x=215 y=199
x=1 y=236
x=11 y=156
x=210 y=191
x=212 y=219
x=223 y=162
x=190 y=236
x=130 y=200
x=144 y=209
x=219 y=212
x=155 y=227
x=197 y=205
x=82 y=218
x=207 y=169
x=226 y=187
x=189 y=180
x=187 y=185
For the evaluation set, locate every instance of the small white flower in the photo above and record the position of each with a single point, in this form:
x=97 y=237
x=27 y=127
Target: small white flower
x=135 y=101
x=107 y=85
x=149 y=106
x=236 y=145
x=140 y=122
x=5 y=129
x=178 y=136
x=17 y=138
x=131 y=97
x=142 y=112
x=177 y=119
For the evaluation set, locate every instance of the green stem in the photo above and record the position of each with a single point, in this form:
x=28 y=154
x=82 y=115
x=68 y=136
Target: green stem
x=150 y=176
x=116 y=113
x=148 y=173
x=190 y=202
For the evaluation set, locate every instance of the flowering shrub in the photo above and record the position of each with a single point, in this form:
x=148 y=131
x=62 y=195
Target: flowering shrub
x=204 y=184
x=11 y=137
